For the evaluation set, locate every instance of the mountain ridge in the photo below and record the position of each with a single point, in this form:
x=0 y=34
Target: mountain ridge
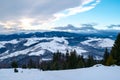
x=44 y=44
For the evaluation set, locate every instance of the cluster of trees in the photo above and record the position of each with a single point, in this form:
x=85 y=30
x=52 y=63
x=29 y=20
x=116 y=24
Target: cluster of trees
x=113 y=57
x=71 y=60
x=30 y=64
x=60 y=61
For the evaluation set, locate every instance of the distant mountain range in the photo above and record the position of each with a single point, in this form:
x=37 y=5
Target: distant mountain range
x=41 y=45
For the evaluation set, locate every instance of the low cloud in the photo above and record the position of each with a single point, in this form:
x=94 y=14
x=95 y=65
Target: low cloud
x=84 y=27
x=34 y=14
x=67 y=28
x=114 y=27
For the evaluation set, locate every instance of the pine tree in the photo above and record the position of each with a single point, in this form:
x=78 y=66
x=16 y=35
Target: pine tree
x=80 y=63
x=24 y=66
x=115 y=51
x=67 y=60
x=73 y=60
x=31 y=64
x=14 y=64
x=105 y=57
x=57 y=61
x=110 y=61
x=90 y=61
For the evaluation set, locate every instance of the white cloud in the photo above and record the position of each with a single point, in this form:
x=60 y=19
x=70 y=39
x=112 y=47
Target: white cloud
x=79 y=9
x=39 y=14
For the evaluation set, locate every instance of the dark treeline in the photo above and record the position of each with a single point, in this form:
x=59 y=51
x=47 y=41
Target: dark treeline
x=70 y=60
x=61 y=61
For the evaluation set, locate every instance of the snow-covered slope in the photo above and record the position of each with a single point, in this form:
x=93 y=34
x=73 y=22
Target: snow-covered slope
x=44 y=44
x=2 y=43
x=93 y=73
x=41 y=45
x=99 y=42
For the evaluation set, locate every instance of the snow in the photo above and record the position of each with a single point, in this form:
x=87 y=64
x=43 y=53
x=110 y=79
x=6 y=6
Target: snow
x=97 y=72
x=31 y=41
x=2 y=43
x=38 y=53
x=55 y=44
x=46 y=59
x=14 y=54
x=99 y=42
x=106 y=43
x=12 y=41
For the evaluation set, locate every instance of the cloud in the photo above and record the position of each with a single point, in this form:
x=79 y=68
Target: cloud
x=85 y=6
x=84 y=27
x=114 y=27
x=88 y=26
x=40 y=14
x=4 y=30
x=68 y=27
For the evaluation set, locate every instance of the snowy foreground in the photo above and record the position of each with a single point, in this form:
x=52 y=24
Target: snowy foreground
x=92 y=73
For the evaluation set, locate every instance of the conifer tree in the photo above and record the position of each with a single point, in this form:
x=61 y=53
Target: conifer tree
x=14 y=64
x=90 y=61
x=115 y=52
x=110 y=60
x=105 y=57
x=80 y=63
x=73 y=60
x=31 y=64
x=67 y=60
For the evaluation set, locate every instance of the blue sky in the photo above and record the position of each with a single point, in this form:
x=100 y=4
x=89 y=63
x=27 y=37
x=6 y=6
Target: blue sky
x=47 y=14
x=104 y=14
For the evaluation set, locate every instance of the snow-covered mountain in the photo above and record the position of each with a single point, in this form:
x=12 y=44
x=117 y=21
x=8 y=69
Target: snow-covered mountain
x=22 y=46
x=38 y=47
x=99 y=42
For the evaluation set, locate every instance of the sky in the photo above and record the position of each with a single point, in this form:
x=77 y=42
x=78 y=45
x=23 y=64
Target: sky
x=18 y=15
